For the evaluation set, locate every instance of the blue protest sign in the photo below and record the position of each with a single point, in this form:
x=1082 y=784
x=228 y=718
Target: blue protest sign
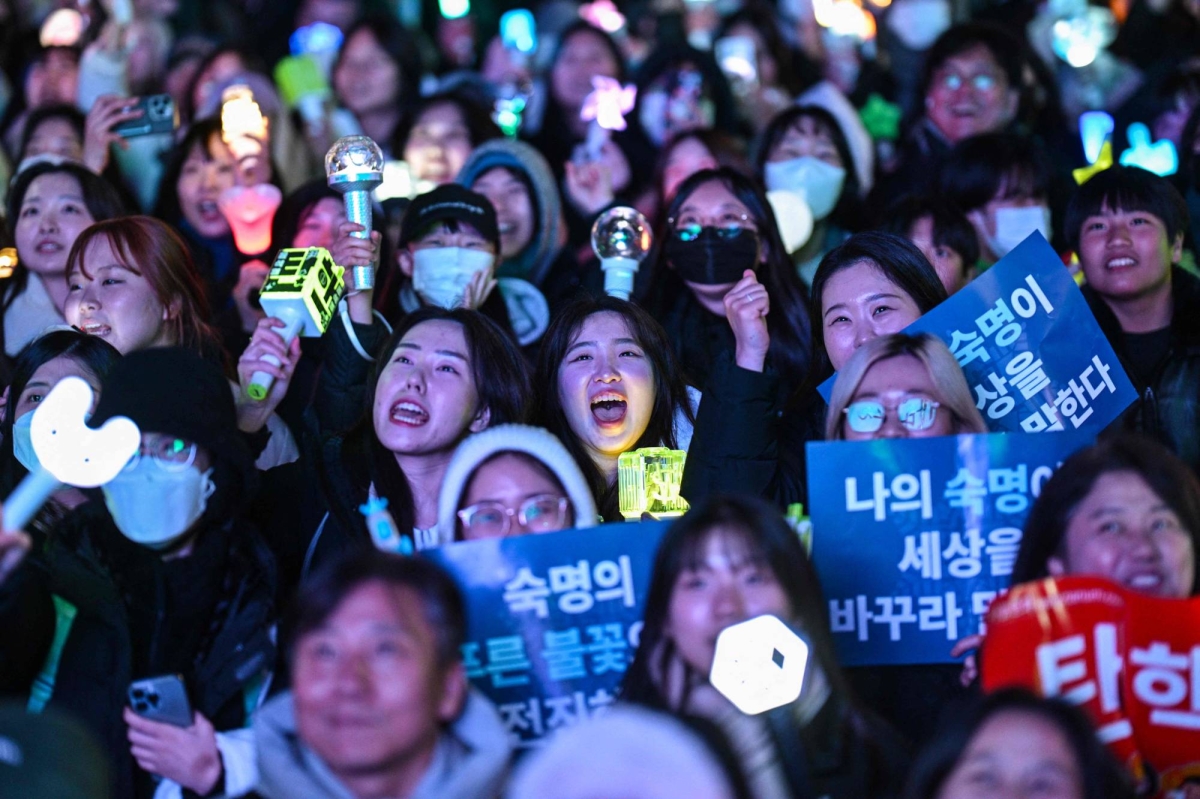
x=913 y=537
x=1034 y=355
x=553 y=620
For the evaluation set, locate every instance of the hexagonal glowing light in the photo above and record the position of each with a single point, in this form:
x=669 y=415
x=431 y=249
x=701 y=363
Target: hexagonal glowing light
x=759 y=664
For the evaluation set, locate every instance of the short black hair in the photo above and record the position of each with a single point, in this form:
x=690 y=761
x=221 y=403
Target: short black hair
x=951 y=228
x=320 y=595
x=68 y=113
x=1127 y=188
x=1102 y=777
x=1165 y=474
x=977 y=169
x=1007 y=50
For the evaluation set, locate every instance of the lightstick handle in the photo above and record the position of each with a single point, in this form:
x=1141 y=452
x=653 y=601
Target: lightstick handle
x=618 y=276
x=28 y=498
x=597 y=137
x=261 y=382
x=358 y=210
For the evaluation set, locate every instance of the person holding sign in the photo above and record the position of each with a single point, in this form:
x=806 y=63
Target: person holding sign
x=873 y=285
x=1128 y=227
x=901 y=386
x=162 y=577
x=609 y=384
x=724 y=562
x=512 y=480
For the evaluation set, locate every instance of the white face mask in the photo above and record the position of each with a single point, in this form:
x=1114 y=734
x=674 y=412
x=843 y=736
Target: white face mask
x=1013 y=226
x=23 y=442
x=154 y=507
x=918 y=23
x=819 y=183
x=441 y=274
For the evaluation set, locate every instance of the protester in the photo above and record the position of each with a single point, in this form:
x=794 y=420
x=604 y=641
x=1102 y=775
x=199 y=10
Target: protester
x=132 y=283
x=901 y=386
x=512 y=480
x=873 y=285
x=804 y=151
x=48 y=207
x=380 y=704
x=162 y=577
x=1002 y=182
x=439 y=377
x=729 y=560
x=1013 y=743
x=1128 y=227
x=635 y=752
x=943 y=235
x=37 y=369
x=1125 y=509
x=609 y=384
x=441 y=133
x=719 y=228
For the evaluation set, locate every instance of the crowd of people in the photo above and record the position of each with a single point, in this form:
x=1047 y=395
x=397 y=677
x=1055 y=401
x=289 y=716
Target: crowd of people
x=817 y=177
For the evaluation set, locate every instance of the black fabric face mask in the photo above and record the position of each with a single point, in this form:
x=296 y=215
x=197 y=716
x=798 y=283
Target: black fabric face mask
x=713 y=257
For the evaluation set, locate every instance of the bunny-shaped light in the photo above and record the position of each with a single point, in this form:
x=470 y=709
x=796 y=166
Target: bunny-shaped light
x=70 y=452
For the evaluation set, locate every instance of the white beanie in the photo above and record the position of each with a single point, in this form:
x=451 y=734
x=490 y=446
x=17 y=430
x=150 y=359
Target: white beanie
x=629 y=752
x=534 y=441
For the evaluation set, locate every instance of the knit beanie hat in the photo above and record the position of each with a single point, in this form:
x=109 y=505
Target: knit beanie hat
x=534 y=441
x=173 y=390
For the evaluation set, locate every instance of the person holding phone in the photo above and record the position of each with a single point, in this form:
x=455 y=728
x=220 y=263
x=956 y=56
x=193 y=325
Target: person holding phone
x=161 y=577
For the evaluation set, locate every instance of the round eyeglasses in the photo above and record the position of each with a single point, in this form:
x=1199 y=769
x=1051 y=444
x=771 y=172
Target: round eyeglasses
x=540 y=514
x=170 y=453
x=915 y=413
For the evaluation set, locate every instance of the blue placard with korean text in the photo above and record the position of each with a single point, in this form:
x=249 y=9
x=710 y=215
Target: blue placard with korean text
x=1034 y=355
x=913 y=537
x=553 y=620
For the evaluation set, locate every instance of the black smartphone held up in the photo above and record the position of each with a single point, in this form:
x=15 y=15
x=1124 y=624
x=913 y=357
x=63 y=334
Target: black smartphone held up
x=158 y=116
x=161 y=699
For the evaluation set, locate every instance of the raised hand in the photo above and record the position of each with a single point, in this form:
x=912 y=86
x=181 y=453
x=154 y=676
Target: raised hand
x=746 y=307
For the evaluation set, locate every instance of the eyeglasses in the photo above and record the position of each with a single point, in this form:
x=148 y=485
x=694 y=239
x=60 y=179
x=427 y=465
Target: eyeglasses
x=541 y=514
x=982 y=82
x=915 y=413
x=169 y=453
x=728 y=226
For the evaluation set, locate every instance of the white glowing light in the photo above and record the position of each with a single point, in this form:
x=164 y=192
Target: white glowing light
x=759 y=665
x=608 y=103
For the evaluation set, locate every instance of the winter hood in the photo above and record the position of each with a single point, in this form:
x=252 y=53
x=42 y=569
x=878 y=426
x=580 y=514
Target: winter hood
x=534 y=441
x=534 y=261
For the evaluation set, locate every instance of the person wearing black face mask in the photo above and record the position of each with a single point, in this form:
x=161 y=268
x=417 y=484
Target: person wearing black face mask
x=719 y=228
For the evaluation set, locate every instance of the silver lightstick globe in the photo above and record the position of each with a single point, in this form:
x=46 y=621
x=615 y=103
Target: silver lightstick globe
x=621 y=239
x=354 y=166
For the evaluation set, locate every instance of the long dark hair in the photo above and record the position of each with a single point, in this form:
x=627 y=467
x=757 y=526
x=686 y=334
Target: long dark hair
x=91 y=352
x=400 y=46
x=200 y=134
x=900 y=262
x=670 y=391
x=476 y=117
x=788 y=322
x=1102 y=777
x=848 y=213
x=102 y=201
x=501 y=380
x=760 y=532
x=1168 y=477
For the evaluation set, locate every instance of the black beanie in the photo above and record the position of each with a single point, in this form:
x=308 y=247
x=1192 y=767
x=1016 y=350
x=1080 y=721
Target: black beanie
x=174 y=391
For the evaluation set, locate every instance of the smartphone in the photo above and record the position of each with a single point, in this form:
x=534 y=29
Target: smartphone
x=161 y=699
x=738 y=58
x=158 y=116
x=518 y=31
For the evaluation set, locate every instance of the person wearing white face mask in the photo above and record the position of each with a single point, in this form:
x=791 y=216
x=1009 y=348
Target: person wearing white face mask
x=161 y=576
x=804 y=151
x=1001 y=181
x=36 y=370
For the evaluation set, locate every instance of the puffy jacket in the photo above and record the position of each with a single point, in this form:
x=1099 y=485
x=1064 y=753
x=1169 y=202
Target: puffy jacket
x=1168 y=405
x=99 y=583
